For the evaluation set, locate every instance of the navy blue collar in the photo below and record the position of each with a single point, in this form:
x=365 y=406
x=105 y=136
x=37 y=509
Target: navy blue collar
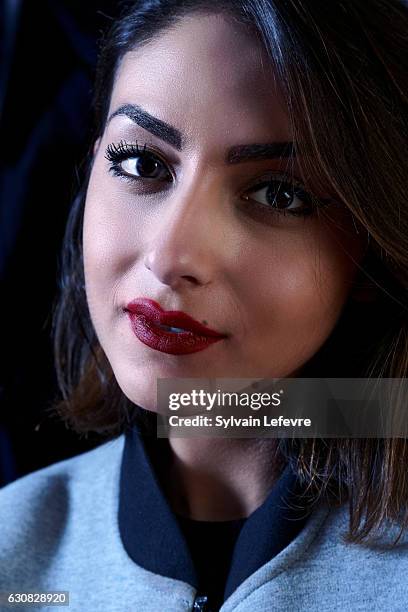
x=153 y=537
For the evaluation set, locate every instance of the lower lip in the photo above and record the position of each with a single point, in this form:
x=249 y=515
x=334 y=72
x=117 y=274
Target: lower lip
x=173 y=343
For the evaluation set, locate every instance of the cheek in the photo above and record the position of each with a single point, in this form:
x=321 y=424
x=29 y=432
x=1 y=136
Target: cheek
x=113 y=231
x=297 y=289
x=107 y=226
x=106 y=239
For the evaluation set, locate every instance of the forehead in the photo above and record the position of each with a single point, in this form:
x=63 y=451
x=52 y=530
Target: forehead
x=208 y=75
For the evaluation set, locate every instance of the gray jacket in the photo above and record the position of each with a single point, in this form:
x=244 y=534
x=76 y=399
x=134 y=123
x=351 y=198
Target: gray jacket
x=59 y=532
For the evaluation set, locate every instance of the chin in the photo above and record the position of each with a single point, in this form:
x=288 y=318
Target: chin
x=138 y=390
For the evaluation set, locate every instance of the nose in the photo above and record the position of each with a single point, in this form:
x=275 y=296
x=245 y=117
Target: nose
x=185 y=246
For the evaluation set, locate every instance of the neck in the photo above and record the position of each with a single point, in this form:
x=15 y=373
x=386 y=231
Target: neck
x=220 y=479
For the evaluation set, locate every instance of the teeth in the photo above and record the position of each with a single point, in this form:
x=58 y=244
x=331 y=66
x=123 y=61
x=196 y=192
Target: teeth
x=177 y=330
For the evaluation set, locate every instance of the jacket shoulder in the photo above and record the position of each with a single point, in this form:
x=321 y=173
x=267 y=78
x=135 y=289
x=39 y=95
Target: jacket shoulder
x=36 y=508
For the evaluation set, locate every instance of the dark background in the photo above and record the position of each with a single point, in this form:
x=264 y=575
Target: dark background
x=48 y=53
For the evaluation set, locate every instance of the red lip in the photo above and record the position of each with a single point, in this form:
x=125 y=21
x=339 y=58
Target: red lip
x=146 y=315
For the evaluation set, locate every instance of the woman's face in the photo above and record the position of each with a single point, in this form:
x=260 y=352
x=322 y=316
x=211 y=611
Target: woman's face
x=197 y=229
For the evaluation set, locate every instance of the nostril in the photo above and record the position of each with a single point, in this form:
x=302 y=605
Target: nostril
x=191 y=278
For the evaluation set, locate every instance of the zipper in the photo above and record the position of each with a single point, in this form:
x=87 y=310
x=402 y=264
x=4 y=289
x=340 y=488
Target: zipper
x=200 y=604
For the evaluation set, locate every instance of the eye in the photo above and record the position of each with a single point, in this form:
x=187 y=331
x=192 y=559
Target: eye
x=144 y=166
x=282 y=196
x=135 y=163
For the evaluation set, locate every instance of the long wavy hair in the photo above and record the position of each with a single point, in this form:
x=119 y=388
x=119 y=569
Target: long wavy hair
x=343 y=69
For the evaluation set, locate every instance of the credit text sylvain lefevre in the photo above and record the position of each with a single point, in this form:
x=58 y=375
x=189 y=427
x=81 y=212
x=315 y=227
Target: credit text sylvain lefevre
x=231 y=421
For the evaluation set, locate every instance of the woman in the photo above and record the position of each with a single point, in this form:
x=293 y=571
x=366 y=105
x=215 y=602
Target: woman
x=247 y=170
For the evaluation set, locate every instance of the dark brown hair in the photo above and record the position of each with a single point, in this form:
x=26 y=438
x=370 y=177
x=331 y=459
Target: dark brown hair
x=343 y=73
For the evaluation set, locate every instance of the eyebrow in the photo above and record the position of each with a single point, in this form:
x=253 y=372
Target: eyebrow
x=272 y=150
x=152 y=124
x=174 y=137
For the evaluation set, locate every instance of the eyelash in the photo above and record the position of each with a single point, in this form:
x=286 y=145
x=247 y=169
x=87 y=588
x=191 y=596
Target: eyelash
x=116 y=154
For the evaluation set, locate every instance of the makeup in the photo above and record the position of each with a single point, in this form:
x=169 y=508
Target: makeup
x=172 y=331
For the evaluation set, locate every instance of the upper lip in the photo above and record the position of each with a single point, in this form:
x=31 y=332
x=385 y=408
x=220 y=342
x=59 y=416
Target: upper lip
x=173 y=318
